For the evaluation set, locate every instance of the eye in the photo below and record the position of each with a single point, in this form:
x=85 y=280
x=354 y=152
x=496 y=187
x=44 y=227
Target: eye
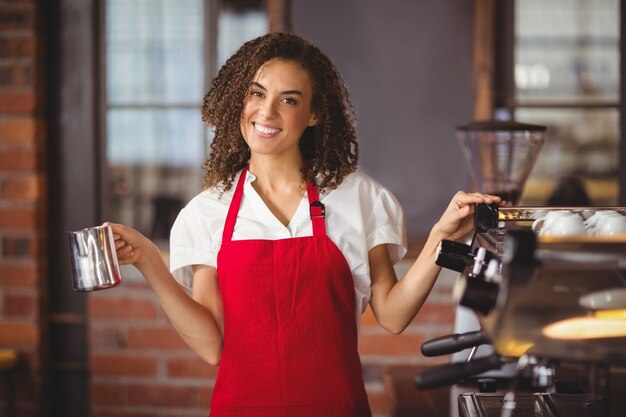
x=290 y=100
x=256 y=93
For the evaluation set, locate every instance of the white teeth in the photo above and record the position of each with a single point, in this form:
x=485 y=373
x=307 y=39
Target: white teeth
x=265 y=130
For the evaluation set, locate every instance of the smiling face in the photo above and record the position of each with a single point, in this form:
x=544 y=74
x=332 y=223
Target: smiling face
x=277 y=109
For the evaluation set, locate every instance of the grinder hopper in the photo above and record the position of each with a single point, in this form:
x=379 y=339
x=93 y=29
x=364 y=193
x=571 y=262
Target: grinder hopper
x=500 y=155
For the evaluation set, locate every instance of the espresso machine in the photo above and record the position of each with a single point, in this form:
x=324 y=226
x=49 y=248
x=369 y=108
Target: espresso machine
x=499 y=156
x=523 y=344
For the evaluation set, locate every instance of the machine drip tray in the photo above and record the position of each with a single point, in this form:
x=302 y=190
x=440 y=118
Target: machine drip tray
x=532 y=405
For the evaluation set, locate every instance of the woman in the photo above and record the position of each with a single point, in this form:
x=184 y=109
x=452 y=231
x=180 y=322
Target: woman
x=288 y=242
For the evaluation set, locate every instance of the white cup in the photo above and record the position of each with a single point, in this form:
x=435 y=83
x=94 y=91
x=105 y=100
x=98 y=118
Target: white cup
x=611 y=226
x=609 y=299
x=594 y=223
x=546 y=221
x=565 y=226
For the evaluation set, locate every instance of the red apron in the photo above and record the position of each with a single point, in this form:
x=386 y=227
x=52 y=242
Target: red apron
x=290 y=334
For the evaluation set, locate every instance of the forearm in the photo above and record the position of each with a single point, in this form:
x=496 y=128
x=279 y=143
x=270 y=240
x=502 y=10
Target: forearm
x=193 y=321
x=395 y=303
x=406 y=296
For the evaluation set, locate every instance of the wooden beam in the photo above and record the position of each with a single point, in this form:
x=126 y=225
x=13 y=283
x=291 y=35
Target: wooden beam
x=621 y=174
x=279 y=15
x=484 y=51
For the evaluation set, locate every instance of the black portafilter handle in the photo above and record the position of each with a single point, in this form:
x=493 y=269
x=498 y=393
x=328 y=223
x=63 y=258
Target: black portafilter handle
x=485 y=217
x=453 y=343
x=453 y=255
x=451 y=373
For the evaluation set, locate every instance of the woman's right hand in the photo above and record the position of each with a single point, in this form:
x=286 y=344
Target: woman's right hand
x=130 y=244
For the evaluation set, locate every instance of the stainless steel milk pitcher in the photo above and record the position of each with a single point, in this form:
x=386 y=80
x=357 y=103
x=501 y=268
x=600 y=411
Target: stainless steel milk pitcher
x=94 y=260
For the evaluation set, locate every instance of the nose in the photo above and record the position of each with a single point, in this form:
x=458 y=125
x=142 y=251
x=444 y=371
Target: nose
x=268 y=109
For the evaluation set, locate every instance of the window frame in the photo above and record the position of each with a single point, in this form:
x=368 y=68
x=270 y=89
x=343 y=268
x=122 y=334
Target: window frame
x=494 y=83
x=277 y=12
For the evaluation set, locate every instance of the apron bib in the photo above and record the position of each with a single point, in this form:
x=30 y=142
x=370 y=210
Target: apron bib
x=290 y=334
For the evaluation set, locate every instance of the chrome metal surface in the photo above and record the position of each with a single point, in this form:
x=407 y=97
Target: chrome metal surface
x=542 y=282
x=535 y=212
x=533 y=405
x=94 y=259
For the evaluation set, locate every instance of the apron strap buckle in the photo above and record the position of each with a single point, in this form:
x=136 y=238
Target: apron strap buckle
x=317 y=210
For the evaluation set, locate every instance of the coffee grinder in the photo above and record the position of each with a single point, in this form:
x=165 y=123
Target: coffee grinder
x=500 y=155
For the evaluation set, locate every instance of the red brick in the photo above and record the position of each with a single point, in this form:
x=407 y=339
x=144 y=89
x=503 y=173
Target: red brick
x=18 y=130
x=122 y=413
x=29 y=360
x=16 y=74
x=17 y=47
x=190 y=367
x=17 y=102
x=15 y=218
x=162 y=395
x=19 y=246
x=388 y=344
x=106 y=337
x=123 y=365
x=435 y=313
x=155 y=338
x=17 y=275
x=368 y=318
x=204 y=397
x=25 y=188
x=19 y=334
x=202 y=413
x=431 y=312
x=378 y=402
x=20 y=306
x=16 y=17
x=113 y=308
x=106 y=393
x=16 y=159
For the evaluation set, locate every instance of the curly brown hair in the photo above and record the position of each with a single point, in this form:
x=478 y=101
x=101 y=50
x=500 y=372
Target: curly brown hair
x=329 y=149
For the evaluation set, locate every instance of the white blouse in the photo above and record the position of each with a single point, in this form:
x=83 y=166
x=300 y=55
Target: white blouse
x=360 y=214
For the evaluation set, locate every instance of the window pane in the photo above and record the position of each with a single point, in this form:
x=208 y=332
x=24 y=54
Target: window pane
x=168 y=137
x=154 y=51
x=156 y=73
x=154 y=159
x=580 y=142
x=239 y=21
x=567 y=50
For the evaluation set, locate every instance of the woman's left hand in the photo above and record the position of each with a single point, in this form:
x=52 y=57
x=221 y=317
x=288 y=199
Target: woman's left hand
x=457 y=220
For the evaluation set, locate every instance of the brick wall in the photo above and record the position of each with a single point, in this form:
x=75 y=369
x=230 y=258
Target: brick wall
x=22 y=199
x=141 y=368
x=139 y=365
x=380 y=350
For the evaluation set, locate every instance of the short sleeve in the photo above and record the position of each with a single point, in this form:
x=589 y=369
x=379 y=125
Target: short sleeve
x=191 y=244
x=387 y=225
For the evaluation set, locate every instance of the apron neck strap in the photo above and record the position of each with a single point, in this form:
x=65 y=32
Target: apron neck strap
x=233 y=210
x=316 y=209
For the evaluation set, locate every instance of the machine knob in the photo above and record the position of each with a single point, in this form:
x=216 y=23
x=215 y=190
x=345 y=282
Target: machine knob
x=453 y=255
x=487 y=385
x=478 y=294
